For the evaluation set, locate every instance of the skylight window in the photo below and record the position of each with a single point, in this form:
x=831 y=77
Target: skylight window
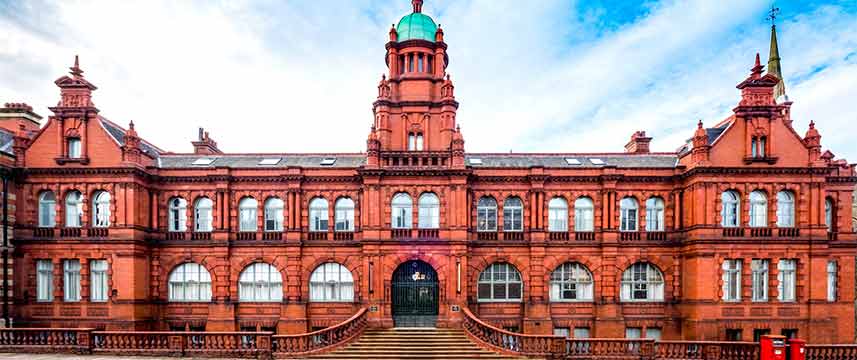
x=475 y=161
x=596 y=161
x=328 y=161
x=270 y=161
x=203 y=161
x=572 y=161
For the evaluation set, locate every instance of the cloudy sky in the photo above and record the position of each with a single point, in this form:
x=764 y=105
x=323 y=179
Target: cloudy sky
x=535 y=76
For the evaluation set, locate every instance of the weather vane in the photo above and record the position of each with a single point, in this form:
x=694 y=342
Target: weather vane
x=772 y=14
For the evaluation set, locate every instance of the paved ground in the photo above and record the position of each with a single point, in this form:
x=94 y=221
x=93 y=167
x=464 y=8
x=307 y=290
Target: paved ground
x=5 y=356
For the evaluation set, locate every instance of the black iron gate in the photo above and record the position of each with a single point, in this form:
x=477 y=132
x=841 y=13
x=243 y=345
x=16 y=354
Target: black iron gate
x=415 y=295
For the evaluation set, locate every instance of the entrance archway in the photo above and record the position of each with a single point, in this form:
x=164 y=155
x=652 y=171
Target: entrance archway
x=415 y=295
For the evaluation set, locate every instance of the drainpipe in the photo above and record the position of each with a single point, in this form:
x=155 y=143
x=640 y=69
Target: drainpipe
x=6 y=319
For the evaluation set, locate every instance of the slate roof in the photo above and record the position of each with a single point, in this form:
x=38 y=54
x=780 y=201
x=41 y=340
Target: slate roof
x=118 y=134
x=585 y=160
x=168 y=161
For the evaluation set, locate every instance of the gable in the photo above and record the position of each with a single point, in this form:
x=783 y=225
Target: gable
x=784 y=144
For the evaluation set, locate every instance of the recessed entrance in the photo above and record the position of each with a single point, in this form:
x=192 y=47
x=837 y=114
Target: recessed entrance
x=415 y=295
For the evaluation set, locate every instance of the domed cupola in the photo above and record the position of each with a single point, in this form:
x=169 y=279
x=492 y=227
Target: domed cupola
x=416 y=25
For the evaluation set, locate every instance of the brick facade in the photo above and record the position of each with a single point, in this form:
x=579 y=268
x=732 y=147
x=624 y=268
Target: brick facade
x=415 y=147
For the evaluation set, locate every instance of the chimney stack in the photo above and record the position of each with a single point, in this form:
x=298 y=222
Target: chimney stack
x=639 y=143
x=205 y=145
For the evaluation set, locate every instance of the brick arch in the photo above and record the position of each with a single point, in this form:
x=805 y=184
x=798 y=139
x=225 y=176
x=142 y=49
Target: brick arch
x=351 y=262
x=235 y=272
x=627 y=261
x=172 y=262
x=481 y=263
x=551 y=263
x=434 y=260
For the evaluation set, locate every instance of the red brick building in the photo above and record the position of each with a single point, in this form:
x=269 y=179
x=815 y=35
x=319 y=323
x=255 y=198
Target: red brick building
x=745 y=229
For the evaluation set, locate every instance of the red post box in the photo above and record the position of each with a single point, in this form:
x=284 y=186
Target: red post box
x=773 y=347
x=797 y=349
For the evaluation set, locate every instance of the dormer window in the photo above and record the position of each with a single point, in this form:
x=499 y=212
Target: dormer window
x=415 y=142
x=74 y=147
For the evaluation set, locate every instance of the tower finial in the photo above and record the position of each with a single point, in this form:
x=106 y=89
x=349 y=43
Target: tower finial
x=75 y=70
x=756 y=71
x=774 y=55
x=418 y=5
x=772 y=14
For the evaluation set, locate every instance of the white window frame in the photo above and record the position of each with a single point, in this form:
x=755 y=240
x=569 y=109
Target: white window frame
x=758 y=209
x=318 y=215
x=71 y=280
x=331 y=282
x=785 y=209
x=44 y=280
x=558 y=215
x=98 y=281
x=75 y=148
x=274 y=214
x=759 y=270
x=513 y=214
x=344 y=215
x=644 y=278
x=189 y=282
x=499 y=276
x=571 y=278
x=260 y=282
x=248 y=215
x=584 y=214
x=787 y=277
x=429 y=211
x=732 y=280
x=101 y=209
x=73 y=209
x=47 y=209
x=832 y=270
x=401 y=211
x=730 y=214
x=203 y=219
x=486 y=214
x=654 y=214
x=629 y=214
x=177 y=215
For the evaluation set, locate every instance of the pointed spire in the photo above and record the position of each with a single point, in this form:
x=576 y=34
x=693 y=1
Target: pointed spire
x=774 y=64
x=75 y=70
x=418 y=5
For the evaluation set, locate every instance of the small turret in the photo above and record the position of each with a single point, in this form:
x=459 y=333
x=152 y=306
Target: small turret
x=812 y=139
x=700 y=152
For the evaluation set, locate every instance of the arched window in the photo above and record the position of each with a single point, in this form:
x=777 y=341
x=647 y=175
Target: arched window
x=486 y=214
x=429 y=212
x=73 y=209
x=785 y=209
x=513 y=214
x=628 y=214
x=655 y=214
x=260 y=282
x=344 y=214
x=202 y=215
x=101 y=209
x=499 y=282
x=47 y=209
x=402 y=208
x=177 y=214
x=247 y=214
x=190 y=282
x=642 y=282
x=274 y=214
x=758 y=209
x=571 y=282
x=828 y=214
x=318 y=215
x=730 y=213
x=558 y=215
x=331 y=282
x=584 y=214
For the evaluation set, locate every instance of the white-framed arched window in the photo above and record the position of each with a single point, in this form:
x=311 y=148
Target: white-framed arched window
x=73 y=209
x=318 y=217
x=571 y=281
x=758 y=209
x=247 y=212
x=202 y=215
x=486 y=214
x=499 y=282
x=513 y=214
x=189 y=282
x=429 y=211
x=260 y=282
x=642 y=282
x=401 y=211
x=655 y=214
x=557 y=215
x=47 y=209
x=177 y=214
x=101 y=209
x=628 y=214
x=274 y=208
x=344 y=214
x=584 y=214
x=785 y=209
x=331 y=282
x=730 y=214
x=828 y=214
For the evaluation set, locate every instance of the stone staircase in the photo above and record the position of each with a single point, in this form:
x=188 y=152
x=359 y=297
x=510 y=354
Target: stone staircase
x=412 y=343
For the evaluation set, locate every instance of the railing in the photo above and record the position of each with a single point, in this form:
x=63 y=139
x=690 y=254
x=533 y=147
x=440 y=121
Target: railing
x=584 y=235
x=97 y=232
x=321 y=340
x=175 y=235
x=191 y=344
x=733 y=232
x=788 y=232
x=316 y=235
x=619 y=349
x=272 y=235
x=558 y=235
x=509 y=342
x=45 y=340
x=400 y=233
x=245 y=235
x=43 y=232
x=486 y=235
x=415 y=159
x=629 y=235
x=656 y=235
x=831 y=352
x=706 y=350
x=343 y=235
x=513 y=235
x=200 y=235
x=428 y=233
x=760 y=232
x=69 y=232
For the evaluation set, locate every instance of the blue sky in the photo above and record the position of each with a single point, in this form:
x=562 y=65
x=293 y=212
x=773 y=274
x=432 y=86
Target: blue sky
x=536 y=76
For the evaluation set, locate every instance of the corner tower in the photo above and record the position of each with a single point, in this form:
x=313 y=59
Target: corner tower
x=415 y=109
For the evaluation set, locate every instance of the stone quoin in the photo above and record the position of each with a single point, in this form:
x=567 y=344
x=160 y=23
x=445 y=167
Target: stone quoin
x=746 y=229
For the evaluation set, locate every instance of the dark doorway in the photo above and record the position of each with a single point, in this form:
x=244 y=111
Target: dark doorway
x=415 y=295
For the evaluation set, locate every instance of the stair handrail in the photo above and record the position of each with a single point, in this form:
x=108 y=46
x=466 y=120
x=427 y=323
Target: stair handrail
x=321 y=340
x=551 y=346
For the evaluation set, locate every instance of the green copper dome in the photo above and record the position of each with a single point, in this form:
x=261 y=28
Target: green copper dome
x=416 y=26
